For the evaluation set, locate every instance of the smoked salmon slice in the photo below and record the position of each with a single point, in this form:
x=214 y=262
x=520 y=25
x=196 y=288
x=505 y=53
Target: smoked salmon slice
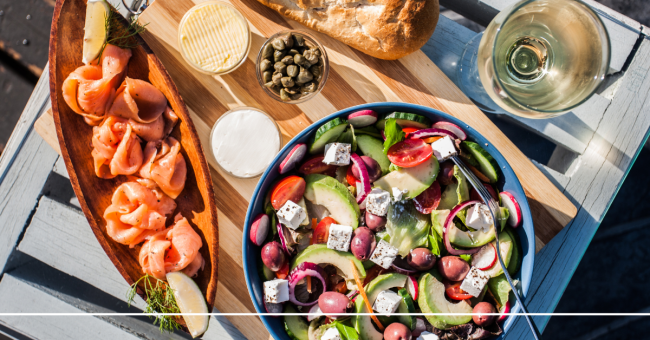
x=116 y=148
x=136 y=212
x=138 y=100
x=173 y=249
x=165 y=165
x=158 y=129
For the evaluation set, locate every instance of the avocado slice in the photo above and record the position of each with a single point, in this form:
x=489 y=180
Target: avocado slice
x=373 y=148
x=320 y=254
x=431 y=299
x=330 y=193
x=297 y=327
x=516 y=258
x=469 y=239
x=363 y=324
x=415 y=179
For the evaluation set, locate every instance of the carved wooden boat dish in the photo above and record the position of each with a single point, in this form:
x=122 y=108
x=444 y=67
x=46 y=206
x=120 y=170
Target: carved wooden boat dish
x=196 y=201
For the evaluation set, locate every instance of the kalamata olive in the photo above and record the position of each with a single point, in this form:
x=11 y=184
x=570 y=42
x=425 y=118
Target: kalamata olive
x=363 y=243
x=278 y=44
x=446 y=175
x=483 y=320
x=273 y=256
x=292 y=70
x=333 y=303
x=287 y=82
x=287 y=60
x=453 y=268
x=374 y=222
x=374 y=170
x=421 y=259
x=267 y=51
x=397 y=331
x=298 y=40
x=278 y=55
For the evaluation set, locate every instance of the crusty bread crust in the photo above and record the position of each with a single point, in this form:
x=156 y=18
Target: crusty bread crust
x=386 y=29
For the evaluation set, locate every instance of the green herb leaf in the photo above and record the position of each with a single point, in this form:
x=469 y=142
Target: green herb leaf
x=392 y=167
x=347 y=332
x=394 y=134
x=160 y=299
x=434 y=244
x=466 y=257
x=120 y=36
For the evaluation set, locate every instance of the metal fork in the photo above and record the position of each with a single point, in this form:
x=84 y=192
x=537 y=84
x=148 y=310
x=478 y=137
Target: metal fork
x=496 y=217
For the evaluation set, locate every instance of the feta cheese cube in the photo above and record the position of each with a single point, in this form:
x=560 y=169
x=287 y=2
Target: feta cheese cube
x=387 y=302
x=337 y=154
x=339 y=237
x=291 y=215
x=398 y=193
x=427 y=336
x=384 y=254
x=331 y=334
x=444 y=148
x=377 y=202
x=475 y=281
x=479 y=217
x=276 y=291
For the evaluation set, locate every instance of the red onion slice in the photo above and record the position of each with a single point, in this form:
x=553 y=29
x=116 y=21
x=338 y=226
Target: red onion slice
x=431 y=133
x=283 y=240
x=314 y=313
x=453 y=128
x=303 y=270
x=400 y=266
x=365 y=178
x=449 y=221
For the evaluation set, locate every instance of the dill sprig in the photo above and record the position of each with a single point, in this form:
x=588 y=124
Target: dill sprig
x=120 y=36
x=160 y=299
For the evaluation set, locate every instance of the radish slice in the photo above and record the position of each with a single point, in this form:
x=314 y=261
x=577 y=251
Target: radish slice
x=314 y=313
x=505 y=309
x=453 y=128
x=302 y=271
x=362 y=118
x=283 y=240
x=365 y=178
x=486 y=257
x=431 y=133
x=449 y=221
x=412 y=287
x=352 y=294
x=260 y=229
x=293 y=158
x=512 y=205
x=420 y=326
x=273 y=308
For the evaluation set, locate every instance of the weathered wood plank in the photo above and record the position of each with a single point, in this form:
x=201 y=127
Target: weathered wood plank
x=18 y=296
x=602 y=169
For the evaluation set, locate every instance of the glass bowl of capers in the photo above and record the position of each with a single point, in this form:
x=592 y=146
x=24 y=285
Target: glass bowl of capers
x=292 y=66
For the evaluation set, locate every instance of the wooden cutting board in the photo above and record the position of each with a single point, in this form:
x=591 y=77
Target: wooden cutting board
x=354 y=79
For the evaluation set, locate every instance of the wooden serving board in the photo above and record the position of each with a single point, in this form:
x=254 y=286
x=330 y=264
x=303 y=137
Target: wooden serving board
x=355 y=78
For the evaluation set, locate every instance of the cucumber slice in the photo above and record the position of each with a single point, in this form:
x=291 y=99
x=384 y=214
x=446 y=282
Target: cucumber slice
x=327 y=133
x=406 y=306
x=374 y=148
x=368 y=130
x=487 y=164
x=406 y=120
x=297 y=328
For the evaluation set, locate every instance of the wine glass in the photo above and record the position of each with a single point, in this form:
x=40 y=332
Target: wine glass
x=536 y=59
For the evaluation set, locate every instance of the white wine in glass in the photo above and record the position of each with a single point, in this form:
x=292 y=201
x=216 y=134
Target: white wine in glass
x=542 y=58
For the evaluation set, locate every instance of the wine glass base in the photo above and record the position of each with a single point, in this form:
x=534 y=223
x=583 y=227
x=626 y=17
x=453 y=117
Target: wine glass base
x=469 y=80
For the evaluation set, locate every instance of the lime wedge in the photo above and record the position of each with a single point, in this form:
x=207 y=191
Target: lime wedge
x=95 y=29
x=190 y=300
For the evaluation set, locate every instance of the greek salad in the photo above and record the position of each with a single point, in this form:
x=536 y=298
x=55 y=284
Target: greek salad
x=372 y=217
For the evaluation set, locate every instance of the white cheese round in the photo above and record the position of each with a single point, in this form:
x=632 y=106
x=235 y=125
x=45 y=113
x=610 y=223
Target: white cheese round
x=244 y=141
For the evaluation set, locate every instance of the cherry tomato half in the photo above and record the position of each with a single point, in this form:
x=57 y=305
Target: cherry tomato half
x=287 y=189
x=409 y=153
x=322 y=231
x=315 y=165
x=349 y=176
x=428 y=200
x=455 y=293
x=408 y=131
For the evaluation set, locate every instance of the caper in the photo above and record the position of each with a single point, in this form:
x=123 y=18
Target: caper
x=278 y=55
x=296 y=96
x=284 y=95
x=298 y=40
x=267 y=51
x=267 y=76
x=287 y=39
x=287 y=81
x=269 y=84
x=316 y=51
x=308 y=87
x=293 y=90
x=311 y=56
x=300 y=60
x=287 y=60
x=292 y=70
x=317 y=71
x=265 y=65
x=278 y=44
x=304 y=76
x=280 y=67
x=293 y=52
x=277 y=78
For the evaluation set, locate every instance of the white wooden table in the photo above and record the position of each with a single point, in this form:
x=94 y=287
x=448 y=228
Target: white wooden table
x=51 y=262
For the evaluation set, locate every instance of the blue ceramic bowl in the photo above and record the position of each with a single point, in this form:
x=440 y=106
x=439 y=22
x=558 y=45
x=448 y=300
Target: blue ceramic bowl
x=508 y=181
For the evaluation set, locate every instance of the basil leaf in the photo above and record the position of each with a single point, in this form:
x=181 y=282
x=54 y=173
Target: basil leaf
x=394 y=134
x=466 y=257
x=347 y=332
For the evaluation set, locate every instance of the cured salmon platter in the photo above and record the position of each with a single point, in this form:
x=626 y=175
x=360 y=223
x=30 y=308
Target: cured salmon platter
x=133 y=155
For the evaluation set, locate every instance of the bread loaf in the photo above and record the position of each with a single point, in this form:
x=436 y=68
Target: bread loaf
x=386 y=29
